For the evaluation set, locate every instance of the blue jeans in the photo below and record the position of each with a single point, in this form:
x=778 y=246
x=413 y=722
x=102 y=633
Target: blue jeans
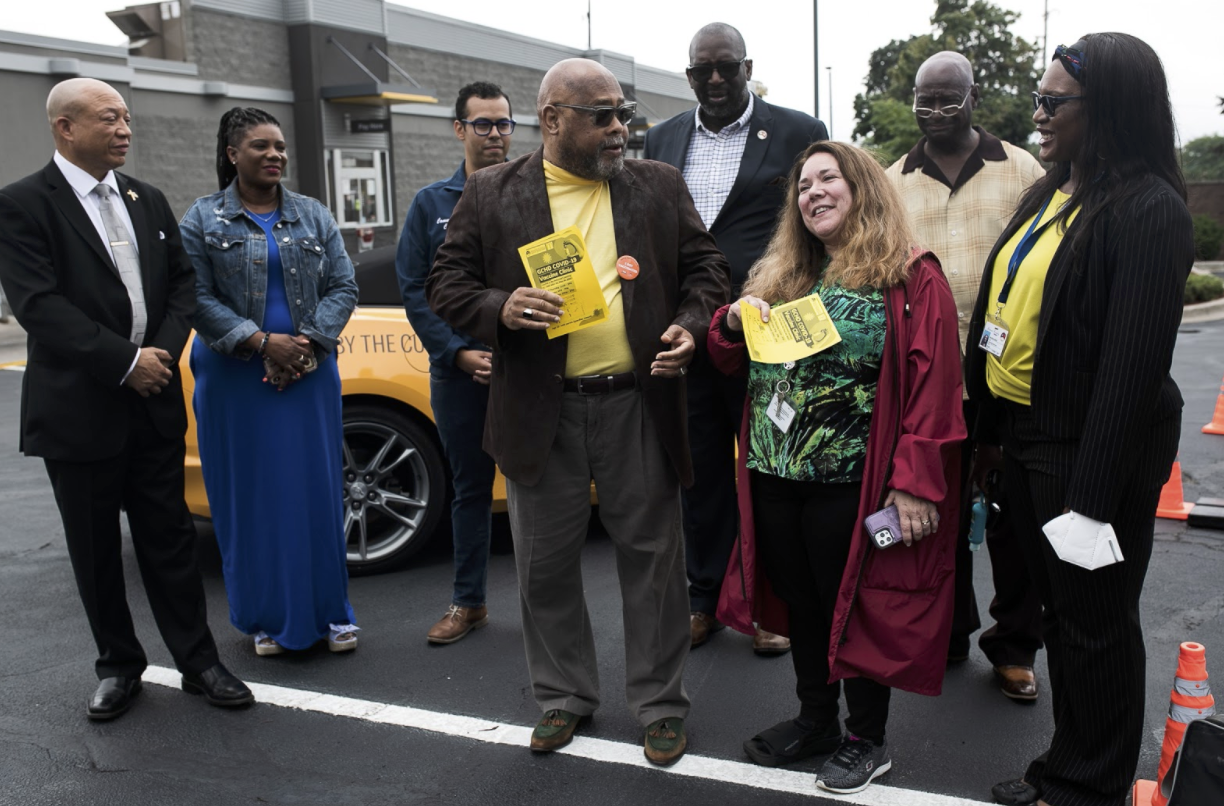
x=459 y=405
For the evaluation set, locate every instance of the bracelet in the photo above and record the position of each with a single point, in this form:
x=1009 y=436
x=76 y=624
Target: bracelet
x=263 y=345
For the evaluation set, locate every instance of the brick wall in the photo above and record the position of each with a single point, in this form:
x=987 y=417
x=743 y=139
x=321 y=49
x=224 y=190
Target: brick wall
x=239 y=50
x=1207 y=198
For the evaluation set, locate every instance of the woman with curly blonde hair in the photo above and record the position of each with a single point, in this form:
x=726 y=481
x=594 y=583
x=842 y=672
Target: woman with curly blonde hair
x=873 y=421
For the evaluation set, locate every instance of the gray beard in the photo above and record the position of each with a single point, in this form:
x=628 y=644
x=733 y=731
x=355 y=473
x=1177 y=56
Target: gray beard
x=591 y=165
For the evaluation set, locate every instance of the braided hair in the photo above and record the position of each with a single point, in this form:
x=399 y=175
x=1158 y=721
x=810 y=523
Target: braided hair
x=234 y=126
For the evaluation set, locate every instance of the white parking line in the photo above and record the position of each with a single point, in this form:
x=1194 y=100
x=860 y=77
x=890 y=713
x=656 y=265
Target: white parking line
x=481 y=730
x=15 y=366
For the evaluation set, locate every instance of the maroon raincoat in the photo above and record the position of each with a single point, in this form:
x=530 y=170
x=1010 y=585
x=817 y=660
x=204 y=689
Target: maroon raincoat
x=894 y=608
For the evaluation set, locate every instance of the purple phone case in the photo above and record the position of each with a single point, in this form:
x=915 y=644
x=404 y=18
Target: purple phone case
x=884 y=527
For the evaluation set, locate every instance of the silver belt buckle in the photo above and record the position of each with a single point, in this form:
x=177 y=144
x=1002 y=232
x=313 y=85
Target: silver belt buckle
x=584 y=379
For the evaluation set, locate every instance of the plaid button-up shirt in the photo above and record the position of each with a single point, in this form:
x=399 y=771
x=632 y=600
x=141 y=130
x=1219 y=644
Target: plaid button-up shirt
x=960 y=222
x=713 y=162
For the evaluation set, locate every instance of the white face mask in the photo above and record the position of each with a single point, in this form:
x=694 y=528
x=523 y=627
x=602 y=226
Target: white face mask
x=1079 y=540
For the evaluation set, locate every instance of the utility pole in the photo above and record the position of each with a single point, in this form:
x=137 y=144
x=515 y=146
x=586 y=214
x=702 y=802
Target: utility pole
x=815 y=61
x=1045 y=33
x=588 y=24
x=830 y=69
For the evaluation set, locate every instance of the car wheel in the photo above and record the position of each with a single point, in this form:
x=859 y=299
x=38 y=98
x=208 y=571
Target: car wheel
x=394 y=488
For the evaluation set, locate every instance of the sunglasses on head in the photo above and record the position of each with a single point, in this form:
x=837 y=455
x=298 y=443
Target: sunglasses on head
x=1050 y=103
x=601 y=116
x=701 y=73
x=484 y=127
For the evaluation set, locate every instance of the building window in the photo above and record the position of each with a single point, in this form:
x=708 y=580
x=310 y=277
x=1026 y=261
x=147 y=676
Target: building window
x=359 y=187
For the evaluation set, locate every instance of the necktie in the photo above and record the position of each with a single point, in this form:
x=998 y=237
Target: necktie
x=126 y=261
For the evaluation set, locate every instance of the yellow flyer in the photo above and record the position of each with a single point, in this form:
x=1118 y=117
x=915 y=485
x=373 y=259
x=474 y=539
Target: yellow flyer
x=794 y=330
x=559 y=263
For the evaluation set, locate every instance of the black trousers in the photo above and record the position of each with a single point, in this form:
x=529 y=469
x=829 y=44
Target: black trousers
x=146 y=478
x=711 y=516
x=803 y=533
x=1015 y=637
x=1093 y=636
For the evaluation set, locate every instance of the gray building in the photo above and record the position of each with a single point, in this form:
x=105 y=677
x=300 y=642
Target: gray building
x=364 y=91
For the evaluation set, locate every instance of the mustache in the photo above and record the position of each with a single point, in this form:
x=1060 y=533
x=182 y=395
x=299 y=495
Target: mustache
x=612 y=142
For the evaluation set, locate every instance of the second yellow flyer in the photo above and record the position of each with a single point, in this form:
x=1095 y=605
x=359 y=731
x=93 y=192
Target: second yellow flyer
x=794 y=330
x=560 y=263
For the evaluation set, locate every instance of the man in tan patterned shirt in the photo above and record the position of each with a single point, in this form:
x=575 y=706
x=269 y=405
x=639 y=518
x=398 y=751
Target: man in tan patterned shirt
x=961 y=184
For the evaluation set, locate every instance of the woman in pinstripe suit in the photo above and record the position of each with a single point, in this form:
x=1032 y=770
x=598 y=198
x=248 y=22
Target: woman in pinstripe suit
x=1076 y=318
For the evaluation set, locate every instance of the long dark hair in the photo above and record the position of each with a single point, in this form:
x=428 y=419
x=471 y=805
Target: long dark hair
x=234 y=126
x=1129 y=134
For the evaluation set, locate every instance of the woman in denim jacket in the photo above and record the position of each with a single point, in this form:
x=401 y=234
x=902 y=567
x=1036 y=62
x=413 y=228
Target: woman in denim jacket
x=274 y=288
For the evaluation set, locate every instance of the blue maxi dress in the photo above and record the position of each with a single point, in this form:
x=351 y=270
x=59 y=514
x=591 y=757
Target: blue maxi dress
x=272 y=465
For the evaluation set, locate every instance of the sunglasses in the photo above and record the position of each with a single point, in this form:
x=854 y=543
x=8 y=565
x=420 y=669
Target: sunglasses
x=484 y=127
x=1050 y=103
x=701 y=73
x=948 y=111
x=601 y=116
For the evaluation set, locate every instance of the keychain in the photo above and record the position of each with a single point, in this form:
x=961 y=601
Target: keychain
x=781 y=411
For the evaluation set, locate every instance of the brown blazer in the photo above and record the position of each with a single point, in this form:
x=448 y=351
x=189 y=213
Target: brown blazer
x=683 y=280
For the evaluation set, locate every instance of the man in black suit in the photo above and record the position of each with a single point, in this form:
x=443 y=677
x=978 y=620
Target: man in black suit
x=92 y=264
x=735 y=151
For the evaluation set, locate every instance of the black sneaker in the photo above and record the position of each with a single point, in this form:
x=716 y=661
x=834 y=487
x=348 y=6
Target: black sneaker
x=856 y=763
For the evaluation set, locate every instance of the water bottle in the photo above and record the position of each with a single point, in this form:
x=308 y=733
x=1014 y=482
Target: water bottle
x=977 y=524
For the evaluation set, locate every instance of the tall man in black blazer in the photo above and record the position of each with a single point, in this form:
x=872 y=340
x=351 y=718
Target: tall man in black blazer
x=92 y=263
x=735 y=151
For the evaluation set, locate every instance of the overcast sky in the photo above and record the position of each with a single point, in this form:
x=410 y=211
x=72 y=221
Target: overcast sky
x=1186 y=34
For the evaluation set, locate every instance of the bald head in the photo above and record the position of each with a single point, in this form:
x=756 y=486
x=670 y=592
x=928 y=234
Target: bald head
x=721 y=33
x=571 y=80
x=946 y=67
x=585 y=143
x=68 y=98
x=91 y=125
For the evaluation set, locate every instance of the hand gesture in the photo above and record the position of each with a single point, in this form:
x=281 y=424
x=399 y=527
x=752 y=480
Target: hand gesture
x=919 y=517
x=736 y=322
x=477 y=363
x=531 y=309
x=674 y=362
x=152 y=371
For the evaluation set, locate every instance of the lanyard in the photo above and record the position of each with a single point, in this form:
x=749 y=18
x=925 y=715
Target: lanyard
x=1022 y=251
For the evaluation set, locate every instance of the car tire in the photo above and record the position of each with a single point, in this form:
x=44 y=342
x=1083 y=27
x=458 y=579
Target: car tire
x=395 y=487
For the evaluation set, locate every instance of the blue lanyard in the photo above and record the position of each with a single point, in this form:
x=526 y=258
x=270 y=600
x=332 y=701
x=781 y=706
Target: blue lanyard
x=1022 y=251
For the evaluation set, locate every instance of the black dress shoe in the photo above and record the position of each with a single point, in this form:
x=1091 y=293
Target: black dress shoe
x=219 y=687
x=1015 y=793
x=112 y=698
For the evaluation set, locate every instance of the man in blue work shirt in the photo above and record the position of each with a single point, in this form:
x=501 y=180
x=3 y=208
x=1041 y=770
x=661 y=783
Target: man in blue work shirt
x=459 y=366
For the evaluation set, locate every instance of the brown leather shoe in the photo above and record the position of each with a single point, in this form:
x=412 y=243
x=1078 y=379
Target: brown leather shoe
x=1017 y=682
x=701 y=627
x=458 y=622
x=767 y=644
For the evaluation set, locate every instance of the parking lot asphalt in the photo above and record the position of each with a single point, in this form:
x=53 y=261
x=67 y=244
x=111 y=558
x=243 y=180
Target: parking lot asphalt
x=172 y=748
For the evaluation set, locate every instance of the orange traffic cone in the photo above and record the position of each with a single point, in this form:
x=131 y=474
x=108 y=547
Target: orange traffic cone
x=1190 y=700
x=1171 y=504
x=1216 y=426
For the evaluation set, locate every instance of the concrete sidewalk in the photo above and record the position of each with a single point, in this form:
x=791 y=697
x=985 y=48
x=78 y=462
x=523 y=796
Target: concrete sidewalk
x=12 y=342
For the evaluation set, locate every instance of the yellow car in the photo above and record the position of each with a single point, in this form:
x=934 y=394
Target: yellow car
x=396 y=482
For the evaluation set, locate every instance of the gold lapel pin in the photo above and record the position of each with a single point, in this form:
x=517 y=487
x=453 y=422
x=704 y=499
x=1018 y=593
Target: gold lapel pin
x=132 y=193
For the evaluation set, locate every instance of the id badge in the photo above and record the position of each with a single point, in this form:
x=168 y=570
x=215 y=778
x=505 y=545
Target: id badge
x=994 y=337
x=780 y=412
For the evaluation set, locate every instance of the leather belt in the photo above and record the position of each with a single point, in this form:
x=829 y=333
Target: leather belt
x=601 y=384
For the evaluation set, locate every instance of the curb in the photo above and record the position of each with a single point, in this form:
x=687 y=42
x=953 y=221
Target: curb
x=1203 y=312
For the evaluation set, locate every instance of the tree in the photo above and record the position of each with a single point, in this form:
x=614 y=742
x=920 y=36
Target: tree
x=1004 y=66
x=1203 y=159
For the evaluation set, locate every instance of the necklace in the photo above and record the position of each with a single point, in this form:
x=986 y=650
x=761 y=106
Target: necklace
x=267 y=219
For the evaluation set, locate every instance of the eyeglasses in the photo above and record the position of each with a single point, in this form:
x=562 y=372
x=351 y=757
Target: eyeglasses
x=949 y=111
x=701 y=73
x=601 y=116
x=1050 y=103
x=484 y=127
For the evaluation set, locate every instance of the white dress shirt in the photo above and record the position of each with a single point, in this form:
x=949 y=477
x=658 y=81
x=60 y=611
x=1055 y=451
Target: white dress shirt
x=713 y=162
x=83 y=184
